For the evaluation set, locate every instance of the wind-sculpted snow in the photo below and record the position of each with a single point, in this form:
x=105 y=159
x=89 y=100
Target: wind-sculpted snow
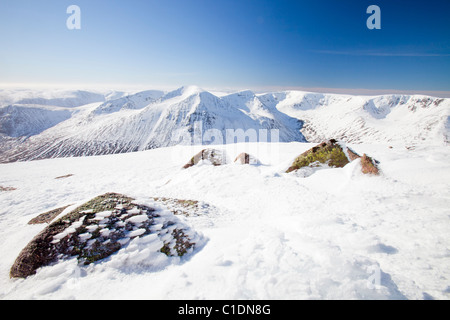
x=334 y=233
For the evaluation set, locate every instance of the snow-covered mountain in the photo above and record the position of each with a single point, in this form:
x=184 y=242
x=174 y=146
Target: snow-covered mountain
x=84 y=124
x=152 y=119
x=29 y=120
x=56 y=97
x=391 y=119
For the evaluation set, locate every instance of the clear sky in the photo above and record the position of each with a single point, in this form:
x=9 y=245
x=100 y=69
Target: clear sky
x=228 y=44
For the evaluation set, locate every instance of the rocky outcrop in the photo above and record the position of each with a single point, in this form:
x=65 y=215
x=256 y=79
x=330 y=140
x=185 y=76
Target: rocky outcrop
x=335 y=155
x=47 y=217
x=329 y=152
x=100 y=228
x=245 y=158
x=212 y=156
x=369 y=165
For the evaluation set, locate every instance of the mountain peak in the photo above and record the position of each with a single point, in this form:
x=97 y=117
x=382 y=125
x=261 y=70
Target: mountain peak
x=190 y=90
x=183 y=92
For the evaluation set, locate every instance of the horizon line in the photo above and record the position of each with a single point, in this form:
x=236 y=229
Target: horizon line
x=256 y=89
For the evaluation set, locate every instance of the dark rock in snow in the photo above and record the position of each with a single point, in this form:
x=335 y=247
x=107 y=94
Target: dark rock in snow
x=47 y=217
x=331 y=153
x=213 y=156
x=245 y=158
x=100 y=228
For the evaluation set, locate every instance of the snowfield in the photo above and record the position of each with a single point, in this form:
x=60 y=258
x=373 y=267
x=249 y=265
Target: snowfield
x=334 y=234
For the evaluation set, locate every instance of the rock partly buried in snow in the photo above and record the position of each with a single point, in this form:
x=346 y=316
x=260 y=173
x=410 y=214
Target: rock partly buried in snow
x=210 y=156
x=186 y=208
x=7 y=188
x=101 y=227
x=369 y=165
x=47 y=217
x=333 y=154
x=65 y=176
x=245 y=158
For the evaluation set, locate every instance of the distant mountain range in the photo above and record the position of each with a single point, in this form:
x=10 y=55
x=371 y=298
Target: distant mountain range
x=49 y=124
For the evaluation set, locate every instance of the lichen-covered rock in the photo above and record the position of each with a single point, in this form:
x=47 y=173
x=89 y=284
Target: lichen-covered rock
x=329 y=152
x=100 y=228
x=212 y=156
x=333 y=154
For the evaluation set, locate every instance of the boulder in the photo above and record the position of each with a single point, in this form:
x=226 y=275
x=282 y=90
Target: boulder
x=369 y=165
x=101 y=227
x=335 y=155
x=329 y=152
x=245 y=158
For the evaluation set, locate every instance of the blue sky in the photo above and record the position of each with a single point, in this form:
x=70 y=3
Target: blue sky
x=228 y=44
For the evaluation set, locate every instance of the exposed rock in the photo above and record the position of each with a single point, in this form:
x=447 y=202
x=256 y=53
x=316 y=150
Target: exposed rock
x=332 y=154
x=100 y=228
x=352 y=154
x=213 y=156
x=47 y=217
x=369 y=166
x=184 y=207
x=63 y=177
x=245 y=158
x=329 y=152
x=7 y=188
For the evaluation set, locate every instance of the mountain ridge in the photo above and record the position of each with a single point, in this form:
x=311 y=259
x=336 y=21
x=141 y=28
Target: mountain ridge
x=122 y=122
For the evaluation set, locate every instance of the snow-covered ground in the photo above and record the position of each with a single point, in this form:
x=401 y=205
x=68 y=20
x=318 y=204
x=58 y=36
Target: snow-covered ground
x=336 y=234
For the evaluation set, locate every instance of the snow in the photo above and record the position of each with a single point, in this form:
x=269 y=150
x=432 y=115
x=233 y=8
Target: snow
x=68 y=231
x=39 y=125
x=138 y=219
x=328 y=234
x=151 y=119
x=56 y=97
x=390 y=119
x=316 y=233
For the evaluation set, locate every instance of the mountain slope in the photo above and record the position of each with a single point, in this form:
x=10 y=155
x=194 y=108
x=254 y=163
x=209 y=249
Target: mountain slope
x=387 y=119
x=189 y=115
x=28 y=120
x=59 y=98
